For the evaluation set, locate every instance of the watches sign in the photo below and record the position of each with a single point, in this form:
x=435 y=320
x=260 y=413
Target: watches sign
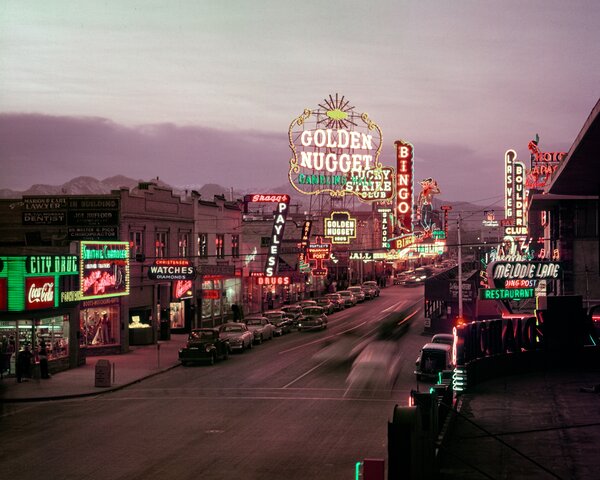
x=171 y=269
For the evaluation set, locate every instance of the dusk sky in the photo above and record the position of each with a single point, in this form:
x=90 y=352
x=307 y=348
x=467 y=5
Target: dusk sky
x=199 y=91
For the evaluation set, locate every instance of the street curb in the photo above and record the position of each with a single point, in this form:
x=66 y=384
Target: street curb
x=86 y=394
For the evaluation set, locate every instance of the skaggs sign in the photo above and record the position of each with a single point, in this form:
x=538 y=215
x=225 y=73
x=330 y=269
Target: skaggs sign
x=493 y=337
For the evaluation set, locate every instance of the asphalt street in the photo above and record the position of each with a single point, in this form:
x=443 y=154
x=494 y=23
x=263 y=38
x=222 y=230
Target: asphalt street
x=274 y=412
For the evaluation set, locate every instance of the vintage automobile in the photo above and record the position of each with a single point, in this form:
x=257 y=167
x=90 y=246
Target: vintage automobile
x=307 y=303
x=292 y=311
x=433 y=359
x=358 y=292
x=280 y=321
x=260 y=327
x=238 y=335
x=349 y=298
x=327 y=304
x=204 y=345
x=376 y=367
x=337 y=300
x=313 y=318
x=372 y=285
x=446 y=338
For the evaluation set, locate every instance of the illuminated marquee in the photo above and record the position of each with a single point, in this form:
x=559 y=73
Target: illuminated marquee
x=171 y=269
x=404 y=185
x=524 y=270
x=514 y=195
x=506 y=293
x=318 y=253
x=373 y=185
x=104 y=269
x=364 y=256
x=543 y=165
x=340 y=227
x=331 y=146
x=283 y=202
x=386 y=224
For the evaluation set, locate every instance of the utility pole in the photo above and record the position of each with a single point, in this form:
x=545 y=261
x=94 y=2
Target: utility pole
x=460 y=297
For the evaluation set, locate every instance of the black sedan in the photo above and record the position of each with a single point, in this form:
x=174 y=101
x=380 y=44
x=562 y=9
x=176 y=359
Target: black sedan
x=313 y=318
x=204 y=345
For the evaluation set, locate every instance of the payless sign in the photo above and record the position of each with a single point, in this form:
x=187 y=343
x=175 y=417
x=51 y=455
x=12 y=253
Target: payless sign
x=281 y=212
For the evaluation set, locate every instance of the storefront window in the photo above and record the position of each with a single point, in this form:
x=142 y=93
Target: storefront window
x=99 y=325
x=54 y=332
x=177 y=314
x=207 y=303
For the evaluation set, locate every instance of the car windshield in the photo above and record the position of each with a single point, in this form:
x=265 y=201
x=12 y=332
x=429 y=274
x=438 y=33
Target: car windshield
x=355 y=289
x=273 y=316
x=233 y=328
x=253 y=321
x=312 y=311
x=202 y=335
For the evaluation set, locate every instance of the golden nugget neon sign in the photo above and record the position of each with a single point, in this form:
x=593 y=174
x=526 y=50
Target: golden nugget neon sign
x=331 y=145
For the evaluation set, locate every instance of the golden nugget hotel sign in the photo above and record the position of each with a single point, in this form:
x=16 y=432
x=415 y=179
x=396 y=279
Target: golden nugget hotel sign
x=335 y=150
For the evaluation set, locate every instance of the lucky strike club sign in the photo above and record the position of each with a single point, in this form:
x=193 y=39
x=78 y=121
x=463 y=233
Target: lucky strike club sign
x=335 y=150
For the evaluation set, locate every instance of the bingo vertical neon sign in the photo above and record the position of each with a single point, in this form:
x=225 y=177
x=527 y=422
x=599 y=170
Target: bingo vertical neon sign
x=404 y=185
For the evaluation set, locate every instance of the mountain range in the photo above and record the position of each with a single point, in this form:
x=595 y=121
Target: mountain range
x=471 y=213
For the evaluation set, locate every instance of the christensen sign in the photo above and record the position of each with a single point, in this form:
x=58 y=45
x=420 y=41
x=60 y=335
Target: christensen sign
x=171 y=269
x=332 y=145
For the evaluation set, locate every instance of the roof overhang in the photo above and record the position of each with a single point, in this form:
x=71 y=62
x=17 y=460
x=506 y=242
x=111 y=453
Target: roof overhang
x=579 y=173
x=546 y=201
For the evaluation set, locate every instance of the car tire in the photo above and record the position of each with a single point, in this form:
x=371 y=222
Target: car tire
x=260 y=340
x=226 y=353
x=250 y=344
x=184 y=364
x=213 y=359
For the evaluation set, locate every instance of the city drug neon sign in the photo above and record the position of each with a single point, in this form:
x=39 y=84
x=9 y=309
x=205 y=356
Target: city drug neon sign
x=331 y=145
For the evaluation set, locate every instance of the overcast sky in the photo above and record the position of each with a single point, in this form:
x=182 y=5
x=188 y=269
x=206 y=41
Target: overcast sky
x=199 y=91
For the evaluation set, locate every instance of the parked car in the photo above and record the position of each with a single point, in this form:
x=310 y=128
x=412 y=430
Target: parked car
x=372 y=284
x=279 y=320
x=313 y=318
x=260 y=327
x=238 y=335
x=349 y=298
x=433 y=359
x=204 y=345
x=358 y=292
x=402 y=276
x=337 y=300
x=293 y=312
x=326 y=304
x=446 y=338
x=307 y=303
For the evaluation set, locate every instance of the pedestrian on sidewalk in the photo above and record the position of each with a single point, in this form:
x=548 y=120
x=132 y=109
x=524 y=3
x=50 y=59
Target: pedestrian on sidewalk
x=43 y=356
x=23 y=364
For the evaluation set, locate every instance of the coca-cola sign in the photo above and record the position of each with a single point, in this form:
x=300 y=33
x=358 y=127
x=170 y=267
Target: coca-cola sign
x=39 y=293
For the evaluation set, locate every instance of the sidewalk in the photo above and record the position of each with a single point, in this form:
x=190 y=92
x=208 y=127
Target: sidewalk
x=139 y=363
x=536 y=425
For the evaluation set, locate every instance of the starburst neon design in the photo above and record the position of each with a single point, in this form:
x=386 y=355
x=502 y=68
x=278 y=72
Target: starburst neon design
x=338 y=114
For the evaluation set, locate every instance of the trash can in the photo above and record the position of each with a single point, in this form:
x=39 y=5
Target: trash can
x=165 y=330
x=103 y=373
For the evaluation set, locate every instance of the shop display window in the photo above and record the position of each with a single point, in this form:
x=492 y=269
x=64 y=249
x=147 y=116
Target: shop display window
x=54 y=332
x=99 y=326
x=177 y=315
